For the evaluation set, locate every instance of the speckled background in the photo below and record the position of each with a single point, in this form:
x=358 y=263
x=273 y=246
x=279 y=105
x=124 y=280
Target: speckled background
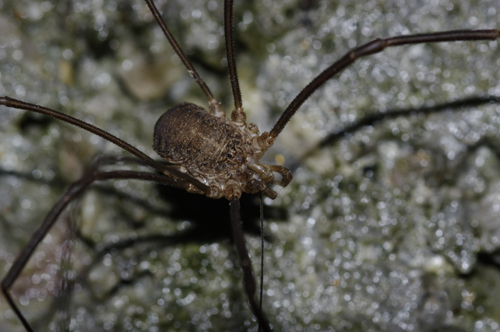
x=392 y=226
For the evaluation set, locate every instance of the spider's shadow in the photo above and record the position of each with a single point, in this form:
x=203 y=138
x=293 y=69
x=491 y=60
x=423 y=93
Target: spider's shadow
x=209 y=221
x=209 y=218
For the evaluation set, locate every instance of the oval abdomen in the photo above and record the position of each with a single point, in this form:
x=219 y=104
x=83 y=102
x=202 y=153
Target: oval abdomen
x=188 y=135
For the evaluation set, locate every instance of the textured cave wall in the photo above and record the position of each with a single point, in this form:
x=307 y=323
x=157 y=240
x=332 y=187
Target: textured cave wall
x=391 y=226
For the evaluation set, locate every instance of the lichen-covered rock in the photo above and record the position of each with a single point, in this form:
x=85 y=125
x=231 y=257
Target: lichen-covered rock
x=389 y=226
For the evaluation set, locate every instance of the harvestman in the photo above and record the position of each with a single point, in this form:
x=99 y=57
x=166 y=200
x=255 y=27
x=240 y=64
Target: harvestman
x=235 y=147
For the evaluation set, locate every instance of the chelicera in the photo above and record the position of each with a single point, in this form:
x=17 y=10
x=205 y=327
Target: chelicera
x=235 y=171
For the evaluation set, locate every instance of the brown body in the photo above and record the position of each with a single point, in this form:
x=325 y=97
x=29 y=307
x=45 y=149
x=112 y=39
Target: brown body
x=205 y=144
x=218 y=152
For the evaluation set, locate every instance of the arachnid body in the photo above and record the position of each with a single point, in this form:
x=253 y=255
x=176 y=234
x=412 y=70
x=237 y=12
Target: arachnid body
x=218 y=152
x=385 y=222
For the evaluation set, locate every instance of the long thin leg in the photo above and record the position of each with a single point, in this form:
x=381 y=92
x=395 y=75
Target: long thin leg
x=73 y=192
x=261 y=253
x=246 y=264
x=231 y=61
x=373 y=47
x=238 y=115
x=194 y=74
x=9 y=102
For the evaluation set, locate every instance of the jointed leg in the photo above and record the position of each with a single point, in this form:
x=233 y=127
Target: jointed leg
x=14 y=103
x=73 y=192
x=373 y=47
x=246 y=264
x=285 y=174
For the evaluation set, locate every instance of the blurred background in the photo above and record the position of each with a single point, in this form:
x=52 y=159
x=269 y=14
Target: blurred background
x=391 y=221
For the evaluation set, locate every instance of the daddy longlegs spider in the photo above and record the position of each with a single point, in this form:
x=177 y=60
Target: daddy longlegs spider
x=325 y=202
